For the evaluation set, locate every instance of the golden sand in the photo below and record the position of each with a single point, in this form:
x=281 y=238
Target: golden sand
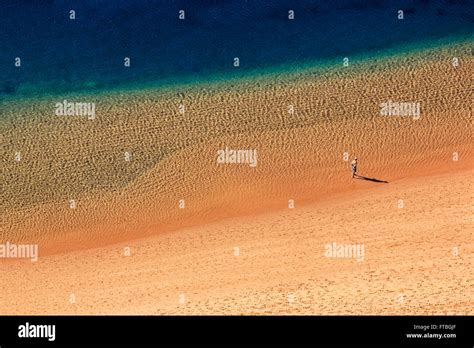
x=280 y=265
x=409 y=266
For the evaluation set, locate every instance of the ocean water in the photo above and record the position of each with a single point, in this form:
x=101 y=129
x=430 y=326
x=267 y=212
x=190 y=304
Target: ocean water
x=87 y=54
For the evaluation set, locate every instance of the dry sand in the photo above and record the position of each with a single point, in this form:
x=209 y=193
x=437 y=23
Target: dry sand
x=409 y=264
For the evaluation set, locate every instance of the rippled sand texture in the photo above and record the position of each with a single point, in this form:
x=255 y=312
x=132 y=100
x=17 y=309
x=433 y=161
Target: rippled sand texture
x=300 y=157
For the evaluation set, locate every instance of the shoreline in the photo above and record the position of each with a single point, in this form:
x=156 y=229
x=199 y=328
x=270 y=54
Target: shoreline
x=300 y=155
x=408 y=228
x=68 y=245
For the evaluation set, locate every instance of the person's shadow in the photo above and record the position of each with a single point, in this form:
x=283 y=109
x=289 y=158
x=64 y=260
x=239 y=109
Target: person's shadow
x=360 y=177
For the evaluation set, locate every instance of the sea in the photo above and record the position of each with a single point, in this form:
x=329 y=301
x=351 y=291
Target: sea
x=64 y=46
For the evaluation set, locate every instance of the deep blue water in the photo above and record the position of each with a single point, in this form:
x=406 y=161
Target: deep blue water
x=61 y=55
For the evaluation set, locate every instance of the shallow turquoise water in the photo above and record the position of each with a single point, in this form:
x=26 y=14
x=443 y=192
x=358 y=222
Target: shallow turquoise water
x=61 y=55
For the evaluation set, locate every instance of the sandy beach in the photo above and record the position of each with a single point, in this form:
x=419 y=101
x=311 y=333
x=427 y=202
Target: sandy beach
x=210 y=238
x=409 y=265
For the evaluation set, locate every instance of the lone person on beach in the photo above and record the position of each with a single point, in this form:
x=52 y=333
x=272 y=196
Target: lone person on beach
x=354 y=166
